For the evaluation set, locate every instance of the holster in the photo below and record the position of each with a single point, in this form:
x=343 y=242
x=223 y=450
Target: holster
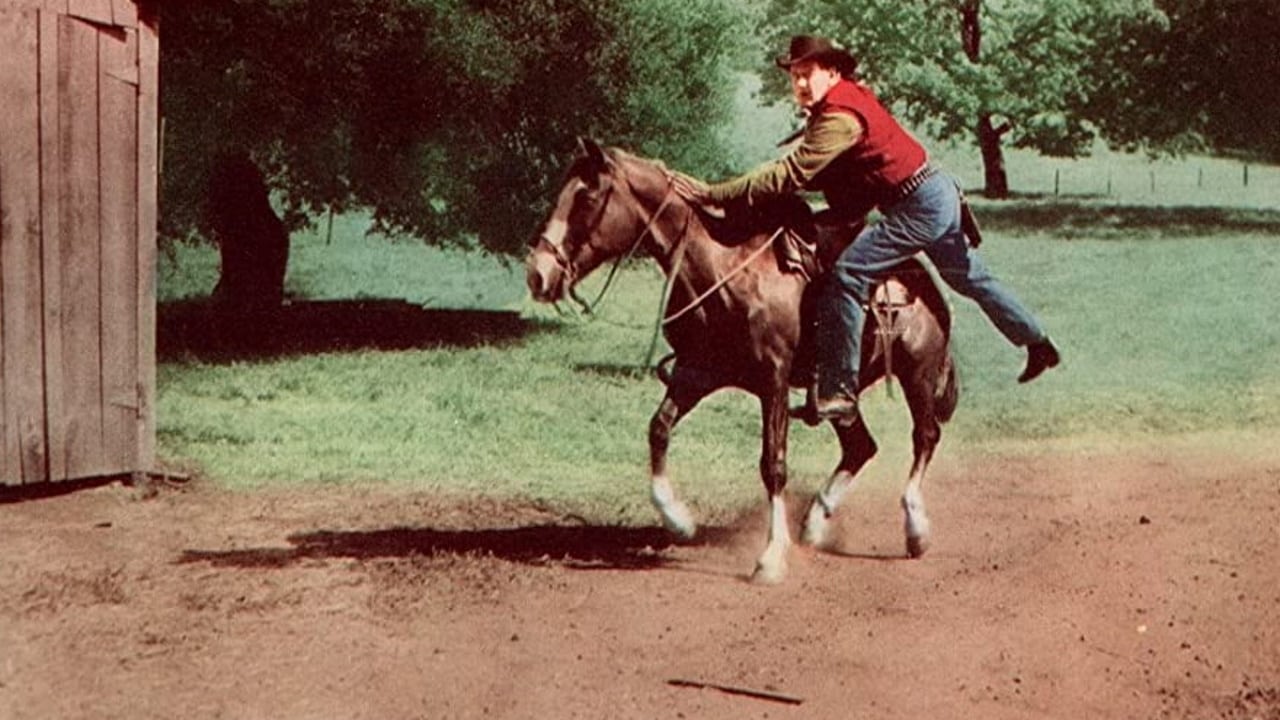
x=969 y=223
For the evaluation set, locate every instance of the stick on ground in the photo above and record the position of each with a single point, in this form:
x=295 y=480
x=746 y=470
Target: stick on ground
x=734 y=690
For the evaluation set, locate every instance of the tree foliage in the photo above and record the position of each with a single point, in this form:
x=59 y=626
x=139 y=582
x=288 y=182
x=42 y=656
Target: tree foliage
x=1206 y=79
x=448 y=118
x=1025 y=73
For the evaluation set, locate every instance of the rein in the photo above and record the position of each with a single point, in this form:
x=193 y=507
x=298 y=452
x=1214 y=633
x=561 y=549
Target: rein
x=677 y=259
x=677 y=262
x=590 y=308
x=718 y=284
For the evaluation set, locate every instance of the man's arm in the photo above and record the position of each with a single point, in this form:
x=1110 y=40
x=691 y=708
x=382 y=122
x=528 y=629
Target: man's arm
x=824 y=139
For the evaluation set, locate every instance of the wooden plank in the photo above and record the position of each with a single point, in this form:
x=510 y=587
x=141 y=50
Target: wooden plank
x=80 y=247
x=21 y=354
x=51 y=221
x=118 y=209
x=97 y=11
x=148 y=202
x=124 y=13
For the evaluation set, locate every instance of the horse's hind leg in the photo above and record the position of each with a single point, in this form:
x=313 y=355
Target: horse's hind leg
x=856 y=448
x=679 y=400
x=926 y=433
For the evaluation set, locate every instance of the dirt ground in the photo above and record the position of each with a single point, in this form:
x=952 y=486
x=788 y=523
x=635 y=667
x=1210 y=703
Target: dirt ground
x=1091 y=584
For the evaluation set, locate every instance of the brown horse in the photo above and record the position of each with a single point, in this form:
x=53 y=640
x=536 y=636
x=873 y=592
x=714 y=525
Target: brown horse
x=735 y=321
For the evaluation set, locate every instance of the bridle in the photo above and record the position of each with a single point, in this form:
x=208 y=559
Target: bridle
x=675 y=261
x=566 y=265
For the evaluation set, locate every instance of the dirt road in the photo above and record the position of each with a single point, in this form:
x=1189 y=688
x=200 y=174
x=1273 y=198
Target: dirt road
x=1073 y=585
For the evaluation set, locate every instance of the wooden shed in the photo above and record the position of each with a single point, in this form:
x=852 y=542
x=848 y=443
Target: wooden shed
x=78 y=184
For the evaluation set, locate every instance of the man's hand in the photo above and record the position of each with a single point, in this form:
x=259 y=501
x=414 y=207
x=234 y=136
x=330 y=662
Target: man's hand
x=694 y=191
x=689 y=188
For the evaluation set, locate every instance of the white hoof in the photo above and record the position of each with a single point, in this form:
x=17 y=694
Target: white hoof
x=675 y=514
x=678 y=520
x=917 y=530
x=816 y=525
x=917 y=546
x=769 y=573
x=916 y=525
x=771 y=568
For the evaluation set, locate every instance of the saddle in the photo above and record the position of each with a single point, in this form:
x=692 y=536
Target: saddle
x=805 y=242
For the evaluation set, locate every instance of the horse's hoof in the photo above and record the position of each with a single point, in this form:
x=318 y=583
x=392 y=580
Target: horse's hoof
x=768 y=575
x=917 y=546
x=679 y=522
x=815 y=528
x=683 y=534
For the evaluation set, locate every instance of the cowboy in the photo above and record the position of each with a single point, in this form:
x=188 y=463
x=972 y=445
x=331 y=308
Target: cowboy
x=854 y=152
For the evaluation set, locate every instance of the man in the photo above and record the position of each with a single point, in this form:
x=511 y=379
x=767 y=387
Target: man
x=859 y=157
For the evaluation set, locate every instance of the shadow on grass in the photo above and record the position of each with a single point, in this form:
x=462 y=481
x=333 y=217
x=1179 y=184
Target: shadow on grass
x=199 y=330
x=576 y=546
x=1098 y=220
x=617 y=371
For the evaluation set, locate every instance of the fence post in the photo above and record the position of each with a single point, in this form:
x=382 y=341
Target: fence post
x=1200 y=178
x=1056 y=181
x=1246 y=174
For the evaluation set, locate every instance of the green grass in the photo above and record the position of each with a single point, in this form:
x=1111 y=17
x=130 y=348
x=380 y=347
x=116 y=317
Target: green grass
x=351 y=263
x=1166 y=320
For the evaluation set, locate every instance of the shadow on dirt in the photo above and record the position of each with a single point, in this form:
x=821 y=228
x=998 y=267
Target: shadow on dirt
x=46 y=490
x=199 y=330
x=581 y=547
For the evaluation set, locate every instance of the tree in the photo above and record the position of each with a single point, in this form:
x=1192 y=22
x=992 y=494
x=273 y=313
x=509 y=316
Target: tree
x=1206 y=79
x=448 y=118
x=1025 y=73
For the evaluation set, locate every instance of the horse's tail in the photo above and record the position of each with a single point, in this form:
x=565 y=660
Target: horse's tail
x=947 y=394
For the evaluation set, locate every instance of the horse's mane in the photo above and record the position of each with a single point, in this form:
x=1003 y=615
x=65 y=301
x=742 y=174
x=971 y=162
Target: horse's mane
x=740 y=220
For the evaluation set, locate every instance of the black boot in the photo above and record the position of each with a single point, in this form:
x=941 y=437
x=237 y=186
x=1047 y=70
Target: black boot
x=1041 y=356
x=808 y=412
x=839 y=407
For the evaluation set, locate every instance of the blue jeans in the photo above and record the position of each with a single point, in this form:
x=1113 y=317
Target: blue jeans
x=926 y=221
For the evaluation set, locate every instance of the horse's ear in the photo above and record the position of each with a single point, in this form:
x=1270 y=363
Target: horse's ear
x=593 y=151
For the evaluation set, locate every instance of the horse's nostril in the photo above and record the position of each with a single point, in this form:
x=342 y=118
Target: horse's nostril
x=534 y=280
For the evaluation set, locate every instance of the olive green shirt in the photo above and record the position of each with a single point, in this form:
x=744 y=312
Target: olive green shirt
x=824 y=139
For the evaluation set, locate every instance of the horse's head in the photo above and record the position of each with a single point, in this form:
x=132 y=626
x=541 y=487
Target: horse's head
x=590 y=223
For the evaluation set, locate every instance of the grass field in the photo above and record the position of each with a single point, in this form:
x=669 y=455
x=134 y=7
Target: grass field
x=1165 y=312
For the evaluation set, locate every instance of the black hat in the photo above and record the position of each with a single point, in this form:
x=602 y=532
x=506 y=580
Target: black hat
x=820 y=49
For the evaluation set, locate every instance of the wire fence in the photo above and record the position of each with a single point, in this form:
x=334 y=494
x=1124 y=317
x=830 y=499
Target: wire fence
x=1191 y=181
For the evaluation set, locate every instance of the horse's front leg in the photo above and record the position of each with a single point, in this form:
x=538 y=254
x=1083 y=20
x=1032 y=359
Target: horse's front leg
x=679 y=400
x=771 y=567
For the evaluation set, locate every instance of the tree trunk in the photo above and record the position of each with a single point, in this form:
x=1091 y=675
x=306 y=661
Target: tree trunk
x=997 y=180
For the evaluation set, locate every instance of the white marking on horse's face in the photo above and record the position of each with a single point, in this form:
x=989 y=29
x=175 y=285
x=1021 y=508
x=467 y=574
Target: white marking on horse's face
x=544 y=276
x=556 y=233
x=546 y=272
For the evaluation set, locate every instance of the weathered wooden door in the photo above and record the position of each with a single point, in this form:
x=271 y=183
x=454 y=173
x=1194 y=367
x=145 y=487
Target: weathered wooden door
x=78 y=153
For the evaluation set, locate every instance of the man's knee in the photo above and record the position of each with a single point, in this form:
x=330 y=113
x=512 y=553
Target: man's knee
x=848 y=280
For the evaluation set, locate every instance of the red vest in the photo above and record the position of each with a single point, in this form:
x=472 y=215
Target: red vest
x=885 y=155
